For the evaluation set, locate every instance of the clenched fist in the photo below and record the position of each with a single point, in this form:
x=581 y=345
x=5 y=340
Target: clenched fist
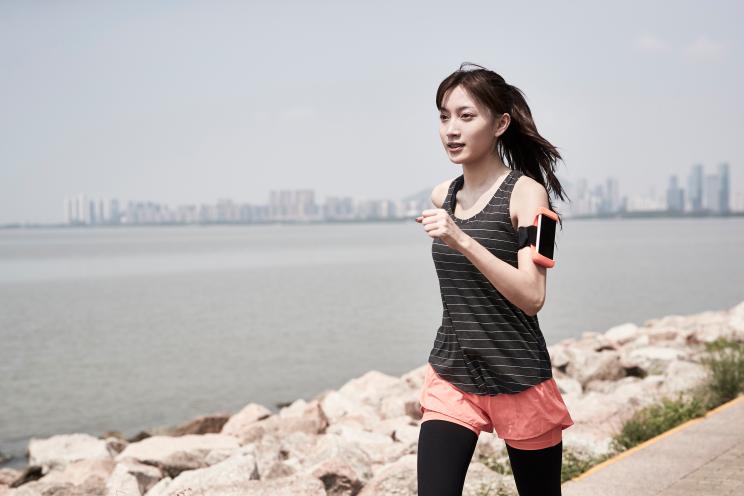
x=438 y=224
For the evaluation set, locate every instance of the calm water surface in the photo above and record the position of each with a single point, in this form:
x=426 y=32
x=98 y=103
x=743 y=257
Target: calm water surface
x=133 y=327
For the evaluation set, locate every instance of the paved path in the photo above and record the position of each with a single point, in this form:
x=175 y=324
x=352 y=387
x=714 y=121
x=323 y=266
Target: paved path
x=702 y=457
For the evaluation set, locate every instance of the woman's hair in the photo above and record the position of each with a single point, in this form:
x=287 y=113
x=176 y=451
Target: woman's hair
x=521 y=145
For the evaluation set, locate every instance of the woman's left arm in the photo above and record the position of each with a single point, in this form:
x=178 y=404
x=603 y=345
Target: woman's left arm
x=523 y=286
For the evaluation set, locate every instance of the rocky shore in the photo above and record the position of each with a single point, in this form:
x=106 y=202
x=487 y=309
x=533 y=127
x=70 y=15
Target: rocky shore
x=362 y=438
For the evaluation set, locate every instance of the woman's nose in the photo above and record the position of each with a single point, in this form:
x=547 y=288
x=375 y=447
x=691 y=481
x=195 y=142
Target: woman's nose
x=451 y=130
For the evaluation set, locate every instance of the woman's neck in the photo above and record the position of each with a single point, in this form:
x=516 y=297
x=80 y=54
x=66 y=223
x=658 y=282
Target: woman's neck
x=481 y=176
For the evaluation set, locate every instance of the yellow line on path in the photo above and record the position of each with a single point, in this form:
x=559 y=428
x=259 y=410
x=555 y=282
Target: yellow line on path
x=656 y=438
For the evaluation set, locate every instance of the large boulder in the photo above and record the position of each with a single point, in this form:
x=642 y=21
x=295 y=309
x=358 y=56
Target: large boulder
x=300 y=416
x=334 y=451
x=652 y=359
x=397 y=478
x=230 y=474
x=249 y=414
x=286 y=486
x=623 y=333
x=56 y=452
x=132 y=477
x=176 y=454
x=204 y=424
x=76 y=478
x=389 y=396
x=683 y=377
x=587 y=365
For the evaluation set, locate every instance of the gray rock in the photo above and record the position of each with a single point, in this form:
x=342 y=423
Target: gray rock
x=481 y=480
x=230 y=473
x=395 y=479
x=132 y=477
x=176 y=454
x=296 y=485
x=57 y=451
x=623 y=333
x=587 y=365
x=251 y=413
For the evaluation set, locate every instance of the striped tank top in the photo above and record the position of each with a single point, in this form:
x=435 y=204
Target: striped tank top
x=485 y=345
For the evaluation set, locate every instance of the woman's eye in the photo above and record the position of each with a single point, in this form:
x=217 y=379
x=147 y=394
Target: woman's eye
x=467 y=115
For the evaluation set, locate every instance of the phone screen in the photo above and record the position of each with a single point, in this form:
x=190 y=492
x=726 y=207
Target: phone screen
x=545 y=236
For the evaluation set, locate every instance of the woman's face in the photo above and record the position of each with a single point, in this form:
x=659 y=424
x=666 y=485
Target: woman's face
x=463 y=121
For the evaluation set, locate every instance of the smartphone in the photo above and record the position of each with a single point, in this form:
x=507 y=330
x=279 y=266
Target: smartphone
x=546 y=221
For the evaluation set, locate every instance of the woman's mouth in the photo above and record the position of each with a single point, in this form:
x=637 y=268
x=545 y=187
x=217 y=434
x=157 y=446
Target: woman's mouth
x=455 y=147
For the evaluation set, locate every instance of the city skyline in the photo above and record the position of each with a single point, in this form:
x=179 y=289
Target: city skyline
x=185 y=104
x=709 y=192
x=653 y=197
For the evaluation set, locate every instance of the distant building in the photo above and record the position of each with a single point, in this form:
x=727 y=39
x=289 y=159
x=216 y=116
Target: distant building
x=675 y=196
x=78 y=209
x=293 y=205
x=712 y=193
x=724 y=198
x=612 y=200
x=227 y=210
x=695 y=189
x=69 y=208
x=339 y=208
x=114 y=216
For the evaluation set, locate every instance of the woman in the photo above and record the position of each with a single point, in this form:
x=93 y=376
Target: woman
x=489 y=368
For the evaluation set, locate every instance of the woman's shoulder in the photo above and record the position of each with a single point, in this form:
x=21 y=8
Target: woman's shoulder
x=527 y=194
x=524 y=185
x=439 y=193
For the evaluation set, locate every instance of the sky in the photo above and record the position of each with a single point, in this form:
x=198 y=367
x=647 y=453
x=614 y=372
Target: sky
x=190 y=102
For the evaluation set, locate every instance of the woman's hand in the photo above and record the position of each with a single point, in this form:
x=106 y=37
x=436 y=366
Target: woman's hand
x=438 y=224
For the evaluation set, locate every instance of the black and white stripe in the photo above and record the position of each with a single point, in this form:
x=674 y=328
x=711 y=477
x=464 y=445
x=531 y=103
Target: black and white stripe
x=485 y=344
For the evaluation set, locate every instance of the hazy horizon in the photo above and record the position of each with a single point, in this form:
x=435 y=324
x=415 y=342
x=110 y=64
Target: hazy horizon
x=190 y=102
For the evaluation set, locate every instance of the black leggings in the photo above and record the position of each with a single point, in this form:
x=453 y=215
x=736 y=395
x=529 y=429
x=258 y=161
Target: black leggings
x=444 y=453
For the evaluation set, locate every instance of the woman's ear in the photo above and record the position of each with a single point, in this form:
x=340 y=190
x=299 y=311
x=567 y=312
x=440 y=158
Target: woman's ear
x=502 y=124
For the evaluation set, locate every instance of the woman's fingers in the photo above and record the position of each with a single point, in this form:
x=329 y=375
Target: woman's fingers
x=426 y=213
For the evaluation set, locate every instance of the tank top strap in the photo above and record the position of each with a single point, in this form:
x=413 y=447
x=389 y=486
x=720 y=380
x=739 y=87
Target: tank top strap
x=510 y=181
x=454 y=185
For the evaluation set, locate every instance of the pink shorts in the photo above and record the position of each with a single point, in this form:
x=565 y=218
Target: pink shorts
x=531 y=419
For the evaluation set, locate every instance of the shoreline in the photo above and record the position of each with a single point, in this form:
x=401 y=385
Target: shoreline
x=366 y=430
x=634 y=214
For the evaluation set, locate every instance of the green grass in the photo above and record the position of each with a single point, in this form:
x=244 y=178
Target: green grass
x=576 y=462
x=498 y=463
x=656 y=419
x=724 y=361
